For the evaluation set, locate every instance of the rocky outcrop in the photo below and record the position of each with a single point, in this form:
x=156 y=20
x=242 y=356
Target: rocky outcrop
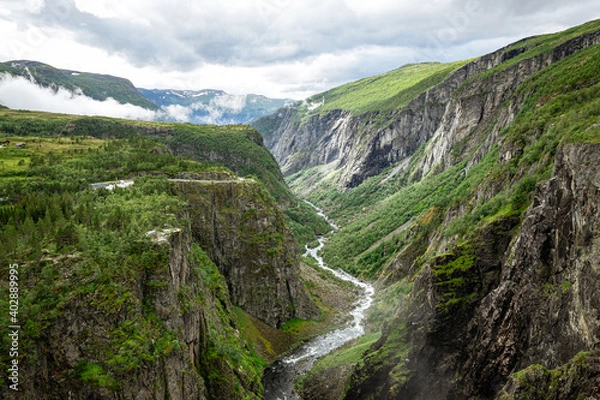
x=362 y=146
x=70 y=352
x=328 y=385
x=243 y=231
x=504 y=303
x=167 y=327
x=487 y=104
x=579 y=378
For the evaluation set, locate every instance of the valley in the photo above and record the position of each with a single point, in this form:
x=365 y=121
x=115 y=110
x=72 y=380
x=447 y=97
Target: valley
x=458 y=201
x=280 y=377
x=463 y=262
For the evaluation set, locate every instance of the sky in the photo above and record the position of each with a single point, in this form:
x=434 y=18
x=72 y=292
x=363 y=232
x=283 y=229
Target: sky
x=278 y=48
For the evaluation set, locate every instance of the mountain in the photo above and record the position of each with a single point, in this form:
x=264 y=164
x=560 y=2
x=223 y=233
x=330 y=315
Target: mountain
x=175 y=285
x=96 y=86
x=469 y=193
x=198 y=107
x=212 y=106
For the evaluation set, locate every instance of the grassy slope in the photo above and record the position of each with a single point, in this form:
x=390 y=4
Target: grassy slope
x=563 y=105
x=390 y=91
x=96 y=86
x=386 y=92
x=543 y=44
x=237 y=147
x=89 y=248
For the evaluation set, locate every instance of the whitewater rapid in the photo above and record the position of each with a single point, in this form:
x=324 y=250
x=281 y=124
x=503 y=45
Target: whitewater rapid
x=279 y=378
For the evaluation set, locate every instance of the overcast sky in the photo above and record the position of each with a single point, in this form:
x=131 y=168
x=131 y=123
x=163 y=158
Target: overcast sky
x=279 y=48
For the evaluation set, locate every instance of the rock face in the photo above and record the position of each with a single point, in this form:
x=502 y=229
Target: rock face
x=361 y=146
x=81 y=331
x=507 y=308
x=243 y=231
x=529 y=301
x=175 y=334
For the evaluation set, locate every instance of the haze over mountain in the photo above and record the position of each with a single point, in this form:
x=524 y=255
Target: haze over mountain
x=32 y=85
x=211 y=106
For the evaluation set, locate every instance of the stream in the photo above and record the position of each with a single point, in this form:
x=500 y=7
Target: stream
x=279 y=378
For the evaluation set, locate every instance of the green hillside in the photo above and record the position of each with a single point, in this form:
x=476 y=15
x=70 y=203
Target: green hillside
x=237 y=147
x=84 y=249
x=378 y=95
x=562 y=106
x=98 y=87
x=543 y=44
x=439 y=236
x=389 y=91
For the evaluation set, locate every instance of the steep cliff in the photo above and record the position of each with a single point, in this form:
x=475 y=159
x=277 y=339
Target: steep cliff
x=445 y=107
x=138 y=291
x=239 y=148
x=493 y=306
x=243 y=231
x=477 y=197
x=71 y=356
x=163 y=327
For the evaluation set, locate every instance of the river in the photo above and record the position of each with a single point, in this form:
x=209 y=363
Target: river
x=279 y=378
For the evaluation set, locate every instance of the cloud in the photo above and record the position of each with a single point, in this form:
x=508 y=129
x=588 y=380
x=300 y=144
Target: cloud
x=20 y=93
x=215 y=112
x=229 y=103
x=176 y=112
x=187 y=35
x=219 y=110
x=281 y=48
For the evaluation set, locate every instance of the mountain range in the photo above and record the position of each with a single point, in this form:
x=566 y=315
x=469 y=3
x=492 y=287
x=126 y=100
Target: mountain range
x=212 y=106
x=96 y=86
x=192 y=106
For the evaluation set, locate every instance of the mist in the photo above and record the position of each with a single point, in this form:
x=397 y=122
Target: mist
x=215 y=112
x=21 y=94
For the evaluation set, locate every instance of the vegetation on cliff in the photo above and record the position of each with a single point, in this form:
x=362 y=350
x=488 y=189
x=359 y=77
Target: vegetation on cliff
x=236 y=147
x=117 y=293
x=561 y=105
x=390 y=91
x=441 y=220
x=84 y=252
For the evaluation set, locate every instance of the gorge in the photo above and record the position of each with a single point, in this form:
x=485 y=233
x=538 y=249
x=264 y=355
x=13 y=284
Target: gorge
x=280 y=377
x=462 y=196
x=467 y=198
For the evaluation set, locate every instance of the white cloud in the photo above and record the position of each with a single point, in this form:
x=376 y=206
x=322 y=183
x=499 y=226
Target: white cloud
x=228 y=102
x=99 y=8
x=176 y=112
x=279 y=48
x=20 y=93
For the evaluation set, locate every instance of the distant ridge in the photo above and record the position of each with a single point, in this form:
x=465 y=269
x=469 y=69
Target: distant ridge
x=210 y=106
x=97 y=86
